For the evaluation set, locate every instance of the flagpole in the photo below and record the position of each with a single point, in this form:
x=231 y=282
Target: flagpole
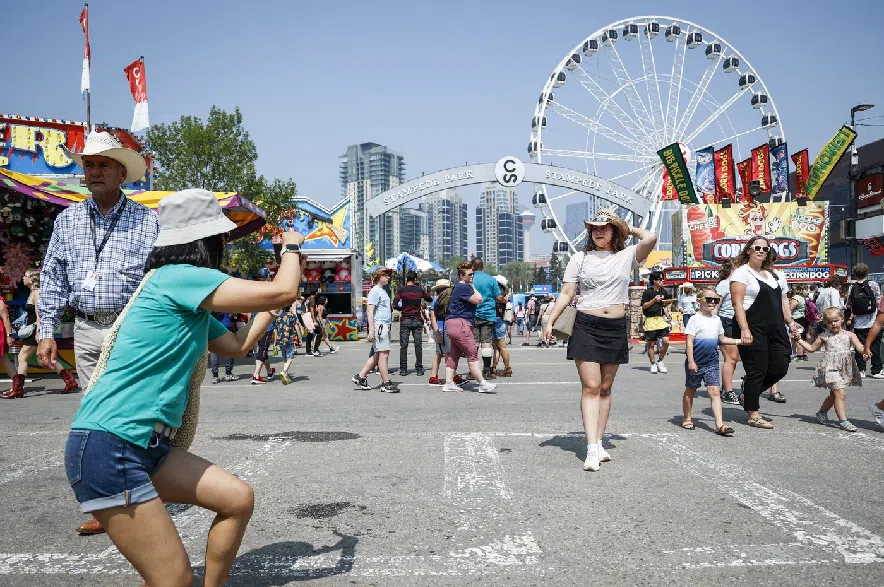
x=87 y=67
x=88 y=111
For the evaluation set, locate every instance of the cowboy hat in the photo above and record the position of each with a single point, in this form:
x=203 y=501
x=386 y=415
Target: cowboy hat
x=377 y=274
x=501 y=280
x=105 y=144
x=441 y=284
x=190 y=215
x=687 y=285
x=608 y=216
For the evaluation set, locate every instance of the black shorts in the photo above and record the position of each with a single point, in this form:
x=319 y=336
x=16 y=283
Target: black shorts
x=599 y=340
x=731 y=328
x=264 y=348
x=652 y=335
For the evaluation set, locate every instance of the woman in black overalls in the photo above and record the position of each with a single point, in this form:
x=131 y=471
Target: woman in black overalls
x=762 y=311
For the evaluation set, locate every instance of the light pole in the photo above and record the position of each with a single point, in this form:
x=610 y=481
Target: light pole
x=852 y=248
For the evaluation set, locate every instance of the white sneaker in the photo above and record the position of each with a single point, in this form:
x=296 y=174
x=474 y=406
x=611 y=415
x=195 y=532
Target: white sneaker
x=877 y=375
x=487 y=387
x=451 y=387
x=862 y=374
x=662 y=367
x=592 y=458
x=604 y=457
x=654 y=368
x=878 y=413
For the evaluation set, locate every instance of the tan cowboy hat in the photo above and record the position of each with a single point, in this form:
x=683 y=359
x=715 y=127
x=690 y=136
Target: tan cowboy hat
x=441 y=284
x=105 y=144
x=376 y=275
x=687 y=285
x=608 y=216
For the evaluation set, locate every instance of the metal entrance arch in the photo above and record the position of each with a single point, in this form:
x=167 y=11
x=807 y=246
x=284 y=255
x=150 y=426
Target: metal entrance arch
x=509 y=172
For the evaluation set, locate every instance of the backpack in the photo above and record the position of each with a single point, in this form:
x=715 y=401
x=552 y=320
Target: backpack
x=862 y=299
x=442 y=301
x=811 y=313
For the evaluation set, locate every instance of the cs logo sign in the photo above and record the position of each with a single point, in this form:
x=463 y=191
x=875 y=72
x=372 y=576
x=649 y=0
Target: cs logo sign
x=509 y=172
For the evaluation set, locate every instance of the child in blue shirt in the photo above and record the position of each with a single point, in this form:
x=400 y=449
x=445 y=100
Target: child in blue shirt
x=704 y=333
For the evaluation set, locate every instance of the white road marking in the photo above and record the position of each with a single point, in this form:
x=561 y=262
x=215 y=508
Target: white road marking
x=31 y=466
x=747 y=555
x=807 y=523
x=473 y=473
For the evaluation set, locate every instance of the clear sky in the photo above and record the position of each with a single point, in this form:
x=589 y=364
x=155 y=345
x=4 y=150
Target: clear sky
x=442 y=82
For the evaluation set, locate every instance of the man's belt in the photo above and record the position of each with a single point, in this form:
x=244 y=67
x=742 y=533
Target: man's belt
x=102 y=318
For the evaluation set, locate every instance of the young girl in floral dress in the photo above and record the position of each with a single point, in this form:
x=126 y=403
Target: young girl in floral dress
x=837 y=369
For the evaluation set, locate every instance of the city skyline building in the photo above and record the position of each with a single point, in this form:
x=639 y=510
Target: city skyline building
x=447 y=224
x=499 y=231
x=366 y=170
x=406 y=231
x=528 y=220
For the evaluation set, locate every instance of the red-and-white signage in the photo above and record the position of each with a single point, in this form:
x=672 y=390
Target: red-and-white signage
x=138 y=86
x=869 y=190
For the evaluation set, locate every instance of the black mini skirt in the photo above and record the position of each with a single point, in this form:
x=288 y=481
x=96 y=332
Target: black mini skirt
x=599 y=340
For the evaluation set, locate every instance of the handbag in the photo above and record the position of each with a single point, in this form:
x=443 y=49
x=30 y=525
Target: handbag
x=563 y=327
x=22 y=329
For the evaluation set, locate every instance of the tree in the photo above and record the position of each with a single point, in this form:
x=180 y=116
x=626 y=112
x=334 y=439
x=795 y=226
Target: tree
x=519 y=274
x=218 y=155
x=539 y=275
x=275 y=198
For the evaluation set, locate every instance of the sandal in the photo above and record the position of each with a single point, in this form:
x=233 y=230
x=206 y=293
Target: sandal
x=508 y=372
x=759 y=422
x=687 y=425
x=725 y=430
x=777 y=397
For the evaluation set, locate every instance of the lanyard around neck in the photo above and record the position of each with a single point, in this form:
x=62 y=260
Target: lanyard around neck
x=100 y=247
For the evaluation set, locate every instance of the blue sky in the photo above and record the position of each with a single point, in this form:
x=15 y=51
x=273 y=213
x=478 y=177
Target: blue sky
x=442 y=82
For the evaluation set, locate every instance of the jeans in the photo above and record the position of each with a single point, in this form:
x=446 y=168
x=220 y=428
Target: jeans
x=520 y=326
x=875 y=347
x=413 y=327
x=214 y=361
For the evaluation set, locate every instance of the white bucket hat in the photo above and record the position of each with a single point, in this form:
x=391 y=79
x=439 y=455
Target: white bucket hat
x=105 y=144
x=190 y=215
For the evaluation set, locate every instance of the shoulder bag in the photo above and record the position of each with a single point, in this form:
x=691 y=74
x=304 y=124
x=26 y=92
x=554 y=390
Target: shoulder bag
x=563 y=327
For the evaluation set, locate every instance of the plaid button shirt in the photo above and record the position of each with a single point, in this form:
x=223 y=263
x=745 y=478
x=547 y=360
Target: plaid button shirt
x=70 y=258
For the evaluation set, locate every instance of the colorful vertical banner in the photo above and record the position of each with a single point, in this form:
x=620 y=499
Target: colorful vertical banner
x=87 y=58
x=668 y=192
x=745 y=170
x=760 y=169
x=674 y=162
x=828 y=159
x=725 y=184
x=802 y=170
x=704 y=175
x=780 y=157
x=138 y=86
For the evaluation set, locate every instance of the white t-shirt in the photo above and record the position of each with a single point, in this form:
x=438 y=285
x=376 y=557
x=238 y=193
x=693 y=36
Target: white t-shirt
x=603 y=278
x=726 y=309
x=745 y=275
x=829 y=297
x=705 y=331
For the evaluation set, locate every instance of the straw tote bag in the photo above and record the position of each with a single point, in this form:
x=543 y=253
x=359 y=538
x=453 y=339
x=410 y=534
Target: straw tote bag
x=184 y=437
x=564 y=324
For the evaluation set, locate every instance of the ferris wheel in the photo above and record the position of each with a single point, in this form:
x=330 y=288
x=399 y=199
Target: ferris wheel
x=630 y=89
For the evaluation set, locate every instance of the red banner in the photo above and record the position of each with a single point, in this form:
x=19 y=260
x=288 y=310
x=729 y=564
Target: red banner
x=802 y=170
x=869 y=190
x=137 y=82
x=84 y=23
x=760 y=169
x=744 y=167
x=669 y=192
x=875 y=245
x=725 y=184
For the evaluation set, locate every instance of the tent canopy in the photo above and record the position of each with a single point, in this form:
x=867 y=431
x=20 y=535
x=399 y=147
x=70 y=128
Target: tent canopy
x=247 y=216
x=406 y=261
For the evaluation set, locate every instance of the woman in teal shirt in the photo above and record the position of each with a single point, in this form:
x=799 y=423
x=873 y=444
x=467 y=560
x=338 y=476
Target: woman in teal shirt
x=118 y=457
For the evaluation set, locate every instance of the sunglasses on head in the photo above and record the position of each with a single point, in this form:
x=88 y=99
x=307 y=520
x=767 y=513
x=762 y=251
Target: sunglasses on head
x=760 y=249
x=605 y=219
x=710 y=299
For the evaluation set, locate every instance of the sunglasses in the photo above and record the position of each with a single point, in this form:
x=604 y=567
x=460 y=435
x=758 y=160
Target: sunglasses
x=470 y=274
x=760 y=249
x=710 y=300
x=605 y=219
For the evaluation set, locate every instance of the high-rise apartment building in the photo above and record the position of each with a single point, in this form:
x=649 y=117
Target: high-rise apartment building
x=499 y=231
x=446 y=225
x=368 y=169
x=406 y=232
x=579 y=212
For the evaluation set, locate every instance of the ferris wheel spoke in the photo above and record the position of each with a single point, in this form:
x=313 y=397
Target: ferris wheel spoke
x=654 y=88
x=726 y=140
x=601 y=156
x=632 y=97
x=675 y=78
x=636 y=170
x=697 y=96
x=596 y=126
x=713 y=117
x=565 y=195
x=611 y=106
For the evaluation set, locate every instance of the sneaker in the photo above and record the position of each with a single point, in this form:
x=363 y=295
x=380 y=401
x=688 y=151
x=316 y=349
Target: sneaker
x=487 y=387
x=730 y=397
x=862 y=374
x=334 y=349
x=654 y=368
x=822 y=417
x=458 y=380
x=436 y=381
x=403 y=372
x=604 y=457
x=661 y=367
x=389 y=387
x=361 y=382
x=451 y=387
x=258 y=381
x=215 y=379
x=877 y=375
x=230 y=377
x=846 y=426
x=284 y=377
x=592 y=458
x=419 y=372
x=878 y=413
x=317 y=354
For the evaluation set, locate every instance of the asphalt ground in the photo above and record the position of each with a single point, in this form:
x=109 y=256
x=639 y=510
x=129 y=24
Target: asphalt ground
x=429 y=488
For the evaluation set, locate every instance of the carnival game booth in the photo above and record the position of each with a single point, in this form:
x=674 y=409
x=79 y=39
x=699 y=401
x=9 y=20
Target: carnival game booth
x=332 y=264
x=28 y=207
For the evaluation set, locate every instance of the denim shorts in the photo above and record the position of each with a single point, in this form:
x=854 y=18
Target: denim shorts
x=106 y=471
x=288 y=351
x=710 y=374
x=500 y=330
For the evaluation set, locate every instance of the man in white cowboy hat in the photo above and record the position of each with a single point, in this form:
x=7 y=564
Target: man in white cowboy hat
x=95 y=259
